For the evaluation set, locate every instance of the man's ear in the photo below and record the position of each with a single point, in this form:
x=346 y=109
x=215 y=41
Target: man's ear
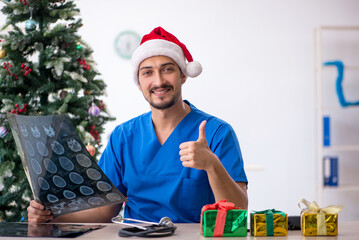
x=183 y=78
x=139 y=85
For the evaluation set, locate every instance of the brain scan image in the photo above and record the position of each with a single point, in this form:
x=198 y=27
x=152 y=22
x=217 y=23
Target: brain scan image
x=97 y=201
x=74 y=145
x=49 y=131
x=93 y=174
x=43 y=183
x=35 y=131
x=50 y=166
x=113 y=197
x=63 y=175
x=36 y=167
x=85 y=190
x=59 y=181
x=76 y=178
x=57 y=148
x=29 y=148
x=103 y=186
x=69 y=194
x=52 y=198
x=66 y=163
x=42 y=149
x=23 y=130
x=83 y=160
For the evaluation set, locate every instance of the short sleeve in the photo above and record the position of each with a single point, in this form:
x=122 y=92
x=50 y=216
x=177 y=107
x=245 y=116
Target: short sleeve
x=226 y=146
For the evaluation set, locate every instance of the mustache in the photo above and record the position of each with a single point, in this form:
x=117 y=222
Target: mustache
x=162 y=86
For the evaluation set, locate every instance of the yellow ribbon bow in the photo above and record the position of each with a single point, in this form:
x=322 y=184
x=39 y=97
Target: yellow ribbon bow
x=312 y=207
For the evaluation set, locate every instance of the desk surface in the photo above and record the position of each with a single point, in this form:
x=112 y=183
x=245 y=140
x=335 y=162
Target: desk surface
x=347 y=231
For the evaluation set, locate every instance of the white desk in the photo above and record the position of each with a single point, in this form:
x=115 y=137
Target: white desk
x=347 y=231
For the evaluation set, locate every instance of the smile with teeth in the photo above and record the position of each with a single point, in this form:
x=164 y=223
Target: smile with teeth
x=161 y=91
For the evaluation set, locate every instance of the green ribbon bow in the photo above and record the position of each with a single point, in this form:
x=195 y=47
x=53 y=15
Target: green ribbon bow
x=269 y=219
x=239 y=222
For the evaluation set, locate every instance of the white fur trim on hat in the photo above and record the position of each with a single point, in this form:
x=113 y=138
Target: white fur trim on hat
x=159 y=47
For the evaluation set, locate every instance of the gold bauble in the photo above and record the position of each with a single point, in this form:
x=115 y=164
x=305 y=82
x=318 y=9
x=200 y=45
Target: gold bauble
x=3 y=53
x=87 y=92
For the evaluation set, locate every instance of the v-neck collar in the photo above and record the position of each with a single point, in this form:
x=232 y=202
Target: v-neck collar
x=161 y=160
x=175 y=129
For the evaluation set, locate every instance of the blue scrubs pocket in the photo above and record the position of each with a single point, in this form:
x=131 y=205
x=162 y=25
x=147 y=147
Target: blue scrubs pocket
x=195 y=193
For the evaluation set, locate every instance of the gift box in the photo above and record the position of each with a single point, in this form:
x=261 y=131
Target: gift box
x=317 y=221
x=223 y=219
x=269 y=223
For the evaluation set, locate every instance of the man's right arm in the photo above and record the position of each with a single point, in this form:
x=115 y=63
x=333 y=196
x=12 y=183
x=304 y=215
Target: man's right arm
x=38 y=214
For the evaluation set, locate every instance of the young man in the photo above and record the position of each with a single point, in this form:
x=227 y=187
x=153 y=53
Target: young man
x=172 y=160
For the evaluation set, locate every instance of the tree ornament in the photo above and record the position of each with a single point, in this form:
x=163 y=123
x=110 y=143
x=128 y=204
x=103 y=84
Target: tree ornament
x=87 y=92
x=3 y=131
x=94 y=111
x=79 y=47
x=7 y=66
x=17 y=109
x=102 y=105
x=83 y=62
x=91 y=149
x=95 y=134
x=63 y=94
x=2 y=53
x=25 y=69
x=30 y=25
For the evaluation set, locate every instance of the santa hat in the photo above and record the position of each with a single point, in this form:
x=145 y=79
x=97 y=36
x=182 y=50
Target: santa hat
x=159 y=42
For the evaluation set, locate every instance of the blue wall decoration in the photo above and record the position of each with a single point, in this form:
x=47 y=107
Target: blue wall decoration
x=339 y=84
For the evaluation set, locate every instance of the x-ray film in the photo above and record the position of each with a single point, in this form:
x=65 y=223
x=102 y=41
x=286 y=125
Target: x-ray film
x=62 y=174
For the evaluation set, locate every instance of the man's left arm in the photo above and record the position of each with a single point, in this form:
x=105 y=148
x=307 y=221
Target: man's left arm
x=197 y=154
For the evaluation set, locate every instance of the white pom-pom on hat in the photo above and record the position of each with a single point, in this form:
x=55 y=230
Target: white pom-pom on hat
x=193 y=69
x=159 y=42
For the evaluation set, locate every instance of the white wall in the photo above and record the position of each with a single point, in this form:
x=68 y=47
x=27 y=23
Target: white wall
x=257 y=59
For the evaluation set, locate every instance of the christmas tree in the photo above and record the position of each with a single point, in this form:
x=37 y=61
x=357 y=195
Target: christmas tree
x=46 y=69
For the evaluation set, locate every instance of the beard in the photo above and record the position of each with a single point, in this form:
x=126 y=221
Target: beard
x=163 y=104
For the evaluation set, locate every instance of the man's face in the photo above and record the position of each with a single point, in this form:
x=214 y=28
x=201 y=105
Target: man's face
x=160 y=80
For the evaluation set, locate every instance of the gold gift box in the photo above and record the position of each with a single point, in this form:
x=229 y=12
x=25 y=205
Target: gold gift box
x=259 y=225
x=310 y=228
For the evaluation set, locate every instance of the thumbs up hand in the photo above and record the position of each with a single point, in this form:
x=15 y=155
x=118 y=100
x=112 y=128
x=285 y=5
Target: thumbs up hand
x=202 y=133
x=197 y=154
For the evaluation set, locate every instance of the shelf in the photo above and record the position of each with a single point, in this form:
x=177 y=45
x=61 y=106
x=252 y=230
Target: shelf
x=253 y=167
x=337 y=109
x=339 y=28
x=342 y=188
x=342 y=148
x=346 y=67
x=323 y=107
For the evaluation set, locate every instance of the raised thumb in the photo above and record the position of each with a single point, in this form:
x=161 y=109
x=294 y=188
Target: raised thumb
x=202 y=133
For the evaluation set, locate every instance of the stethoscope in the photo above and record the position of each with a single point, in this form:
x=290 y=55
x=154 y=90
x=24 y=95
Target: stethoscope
x=163 y=228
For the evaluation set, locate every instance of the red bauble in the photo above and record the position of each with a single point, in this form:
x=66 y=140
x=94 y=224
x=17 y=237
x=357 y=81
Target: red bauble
x=91 y=149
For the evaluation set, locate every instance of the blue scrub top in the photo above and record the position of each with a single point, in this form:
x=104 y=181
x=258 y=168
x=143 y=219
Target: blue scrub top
x=151 y=175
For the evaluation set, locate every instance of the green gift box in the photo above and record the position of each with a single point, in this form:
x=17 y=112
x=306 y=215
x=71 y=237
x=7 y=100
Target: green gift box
x=223 y=223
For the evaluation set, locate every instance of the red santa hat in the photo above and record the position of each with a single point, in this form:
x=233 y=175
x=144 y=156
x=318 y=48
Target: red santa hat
x=159 y=42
